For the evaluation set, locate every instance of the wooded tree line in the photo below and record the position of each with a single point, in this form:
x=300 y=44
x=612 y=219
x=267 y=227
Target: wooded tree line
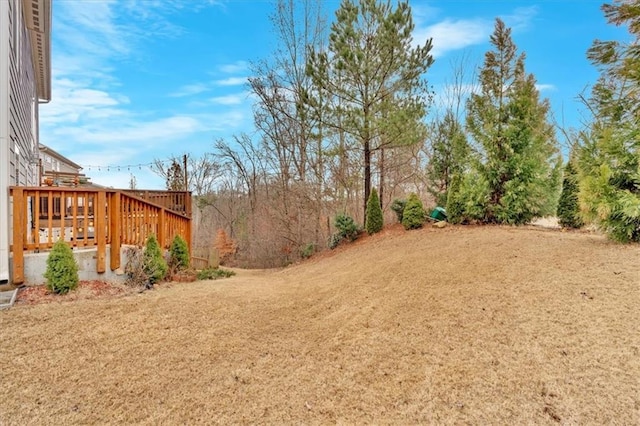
x=345 y=108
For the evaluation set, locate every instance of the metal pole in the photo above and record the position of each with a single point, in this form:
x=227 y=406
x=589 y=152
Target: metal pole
x=186 y=179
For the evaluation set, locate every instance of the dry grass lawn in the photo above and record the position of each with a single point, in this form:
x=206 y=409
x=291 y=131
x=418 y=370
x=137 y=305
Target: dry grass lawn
x=485 y=325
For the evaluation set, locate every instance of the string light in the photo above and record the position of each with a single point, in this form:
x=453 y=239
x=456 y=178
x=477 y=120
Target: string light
x=119 y=167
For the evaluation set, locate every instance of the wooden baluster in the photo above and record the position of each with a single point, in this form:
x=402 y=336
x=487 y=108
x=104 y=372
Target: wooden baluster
x=100 y=229
x=114 y=225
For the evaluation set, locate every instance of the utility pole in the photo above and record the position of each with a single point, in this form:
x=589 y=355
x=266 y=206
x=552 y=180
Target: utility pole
x=186 y=179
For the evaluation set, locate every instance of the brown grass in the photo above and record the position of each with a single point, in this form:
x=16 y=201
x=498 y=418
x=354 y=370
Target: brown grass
x=459 y=325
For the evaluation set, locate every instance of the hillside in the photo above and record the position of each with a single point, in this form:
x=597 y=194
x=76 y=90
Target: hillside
x=458 y=325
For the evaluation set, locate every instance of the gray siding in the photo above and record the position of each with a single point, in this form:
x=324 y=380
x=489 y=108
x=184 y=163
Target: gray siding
x=23 y=103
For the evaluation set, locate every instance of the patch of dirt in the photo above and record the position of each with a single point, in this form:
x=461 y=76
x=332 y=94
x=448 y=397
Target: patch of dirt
x=460 y=325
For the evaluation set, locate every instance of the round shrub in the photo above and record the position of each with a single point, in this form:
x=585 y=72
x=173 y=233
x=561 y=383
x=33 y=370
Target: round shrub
x=153 y=262
x=62 y=269
x=346 y=227
x=414 y=215
x=179 y=254
x=374 y=220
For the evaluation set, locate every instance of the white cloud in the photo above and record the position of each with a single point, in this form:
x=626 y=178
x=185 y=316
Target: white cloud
x=453 y=34
x=190 y=89
x=231 y=81
x=234 y=68
x=127 y=131
x=521 y=18
x=233 y=99
x=423 y=12
x=545 y=87
x=74 y=102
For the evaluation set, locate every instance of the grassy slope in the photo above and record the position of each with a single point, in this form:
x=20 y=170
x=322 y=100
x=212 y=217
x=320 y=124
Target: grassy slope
x=476 y=325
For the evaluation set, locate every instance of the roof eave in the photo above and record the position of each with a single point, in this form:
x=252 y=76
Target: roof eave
x=38 y=17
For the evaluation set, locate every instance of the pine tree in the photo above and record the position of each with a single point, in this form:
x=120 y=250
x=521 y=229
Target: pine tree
x=568 y=207
x=449 y=156
x=373 y=77
x=609 y=159
x=374 y=220
x=509 y=123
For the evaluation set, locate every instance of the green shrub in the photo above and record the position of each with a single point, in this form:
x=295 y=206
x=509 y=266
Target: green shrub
x=398 y=206
x=154 y=264
x=568 y=206
x=455 y=204
x=214 y=274
x=468 y=199
x=374 y=220
x=334 y=240
x=414 y=215
x=62 y=269
x=307 y=251
x=346 y=226
x=347 y=230
x=179 y=254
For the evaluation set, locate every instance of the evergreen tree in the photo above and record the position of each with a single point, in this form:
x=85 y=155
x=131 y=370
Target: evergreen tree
x=609 y=160
x=175 y=177
x=468 y=198
x=154 y=265
x=62 y=269
x=374 y=220
x=509 y=123
x=179 y=258
x=414 y=215
x=372 y=78
x=568 y=207
x=449 y=156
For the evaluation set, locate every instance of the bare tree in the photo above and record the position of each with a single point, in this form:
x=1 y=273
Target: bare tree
x=202 y=173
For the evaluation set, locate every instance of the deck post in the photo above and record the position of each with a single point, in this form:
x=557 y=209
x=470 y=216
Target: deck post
x=161 y=228
x=19 y=214
x=115 y=227
x=188 y=205
x=100 y=231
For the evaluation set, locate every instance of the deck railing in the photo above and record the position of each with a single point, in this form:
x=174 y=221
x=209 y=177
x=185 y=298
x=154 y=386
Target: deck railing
x=177 y=201
x=85 y=217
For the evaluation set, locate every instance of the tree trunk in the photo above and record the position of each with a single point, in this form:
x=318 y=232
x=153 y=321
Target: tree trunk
x=381 y=190
x=367 y=174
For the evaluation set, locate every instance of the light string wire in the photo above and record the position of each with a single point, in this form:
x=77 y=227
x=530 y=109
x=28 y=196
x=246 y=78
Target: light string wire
x=122 y=167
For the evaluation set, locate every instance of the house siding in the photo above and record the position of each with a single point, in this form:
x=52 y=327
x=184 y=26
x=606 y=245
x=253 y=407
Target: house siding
x=18 y=117
x=23 y=108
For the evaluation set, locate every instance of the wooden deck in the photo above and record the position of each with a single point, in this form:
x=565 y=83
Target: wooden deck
x=87 y=217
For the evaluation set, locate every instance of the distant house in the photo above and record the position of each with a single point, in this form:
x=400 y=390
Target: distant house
x=56 y=169
x=25 y=82
x=51 y=162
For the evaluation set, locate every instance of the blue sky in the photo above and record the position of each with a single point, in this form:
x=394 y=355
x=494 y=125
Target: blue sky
x=135 y=80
